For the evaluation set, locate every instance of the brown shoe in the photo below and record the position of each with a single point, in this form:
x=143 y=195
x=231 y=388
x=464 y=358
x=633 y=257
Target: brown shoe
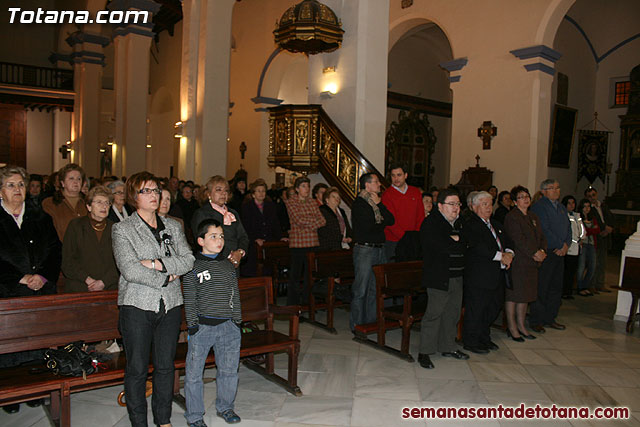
x=556 y=325
x=538 y=328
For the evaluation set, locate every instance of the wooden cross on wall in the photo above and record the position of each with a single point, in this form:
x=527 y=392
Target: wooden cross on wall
x=486 y=131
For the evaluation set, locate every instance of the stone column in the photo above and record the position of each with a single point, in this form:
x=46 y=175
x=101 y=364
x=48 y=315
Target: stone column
x=359 y=107
x=131 y=87
x=88 y=61
x=204 y=88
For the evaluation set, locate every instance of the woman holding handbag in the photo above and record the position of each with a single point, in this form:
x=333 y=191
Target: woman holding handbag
x=151 y=253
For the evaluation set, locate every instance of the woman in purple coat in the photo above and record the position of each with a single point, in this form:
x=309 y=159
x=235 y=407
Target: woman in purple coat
x=260 y=219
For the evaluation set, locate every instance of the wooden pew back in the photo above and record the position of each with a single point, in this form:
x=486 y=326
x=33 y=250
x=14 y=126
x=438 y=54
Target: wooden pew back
x=331 y=264
x=399 y=275
x=274 y=255
x=56 y=320
x=255 y=298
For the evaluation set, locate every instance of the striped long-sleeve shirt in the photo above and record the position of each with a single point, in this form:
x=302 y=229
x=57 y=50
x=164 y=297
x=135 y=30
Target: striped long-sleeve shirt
x=211 y=292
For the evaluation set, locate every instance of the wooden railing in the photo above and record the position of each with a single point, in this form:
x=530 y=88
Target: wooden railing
x=41 y=77
x=304 y=138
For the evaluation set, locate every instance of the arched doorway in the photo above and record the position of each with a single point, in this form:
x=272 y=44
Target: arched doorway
x=419 y=105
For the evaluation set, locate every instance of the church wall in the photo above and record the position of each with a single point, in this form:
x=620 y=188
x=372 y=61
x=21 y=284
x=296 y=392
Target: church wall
x=359 y=107
x=578 y=64
x=618 y=64
x=164 y=102
x=253 y=24
x=494 y=84
x=39 y=141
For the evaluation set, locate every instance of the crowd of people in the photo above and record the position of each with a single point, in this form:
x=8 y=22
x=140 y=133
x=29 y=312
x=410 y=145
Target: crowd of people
x=489 y=252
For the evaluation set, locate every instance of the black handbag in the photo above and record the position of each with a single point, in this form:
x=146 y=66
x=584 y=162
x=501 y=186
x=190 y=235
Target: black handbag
x=70 y=361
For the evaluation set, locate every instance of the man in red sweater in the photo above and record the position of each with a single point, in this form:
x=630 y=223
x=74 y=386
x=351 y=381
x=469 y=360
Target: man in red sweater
x=405 y=203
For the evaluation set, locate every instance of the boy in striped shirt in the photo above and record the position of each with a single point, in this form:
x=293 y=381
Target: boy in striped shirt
x=212 y=310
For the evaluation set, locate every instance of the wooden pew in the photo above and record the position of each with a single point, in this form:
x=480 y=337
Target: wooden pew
x=329 y=265
x=55 y=320
x=275 y=255
x=398 y=280
x=631 y=283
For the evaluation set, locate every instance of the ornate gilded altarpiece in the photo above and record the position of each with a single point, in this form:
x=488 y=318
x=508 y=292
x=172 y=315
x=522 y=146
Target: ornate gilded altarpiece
x=411 y=141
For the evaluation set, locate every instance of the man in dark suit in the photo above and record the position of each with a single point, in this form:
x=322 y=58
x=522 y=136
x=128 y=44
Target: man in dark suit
x=605 y=220
x=488 y=254
x=443 y=253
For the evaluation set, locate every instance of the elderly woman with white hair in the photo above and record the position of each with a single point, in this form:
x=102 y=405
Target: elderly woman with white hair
x=119 y=209
x=30 y=249
x=29 y=254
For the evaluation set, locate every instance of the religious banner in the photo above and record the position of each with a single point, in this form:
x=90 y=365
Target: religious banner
x=592 y=155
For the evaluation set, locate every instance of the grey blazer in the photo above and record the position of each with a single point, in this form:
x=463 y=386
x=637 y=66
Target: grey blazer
x=140 y=286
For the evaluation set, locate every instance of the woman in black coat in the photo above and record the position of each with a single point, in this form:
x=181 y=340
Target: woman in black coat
x=29 y=254
x=336 y=233
x=30 y=251
x=260 y=220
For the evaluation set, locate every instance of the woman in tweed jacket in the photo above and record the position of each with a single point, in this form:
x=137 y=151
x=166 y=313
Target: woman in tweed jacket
x=151 y=253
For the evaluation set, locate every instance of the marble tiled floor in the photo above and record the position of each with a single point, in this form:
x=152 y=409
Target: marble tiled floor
x=592 y=363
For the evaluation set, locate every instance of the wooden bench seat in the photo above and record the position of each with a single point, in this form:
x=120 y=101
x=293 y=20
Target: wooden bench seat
x=55 y=320
x=336 y=267
x=400 y=280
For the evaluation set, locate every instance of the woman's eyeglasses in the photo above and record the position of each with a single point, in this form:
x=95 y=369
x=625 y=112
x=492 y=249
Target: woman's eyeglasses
x=150 y=191
x=12 y=185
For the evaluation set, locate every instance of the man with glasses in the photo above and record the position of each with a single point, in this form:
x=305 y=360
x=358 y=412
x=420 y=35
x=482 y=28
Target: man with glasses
x=554 y=221
x=443 y=251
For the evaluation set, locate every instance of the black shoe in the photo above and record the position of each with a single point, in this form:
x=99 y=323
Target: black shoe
x=35 y=403
x=516 y=339
x=476 y=349
x=456 y=355
x=529 y=337
x=425 y=361
x=538 y=328
x=492 y=346
x=11 y=409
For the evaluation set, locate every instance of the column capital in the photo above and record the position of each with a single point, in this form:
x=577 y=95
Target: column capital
x=539 y=58
x=454 y=65
x=135 y=6
x=56 y=57
x=87 y=48
x=80 y=37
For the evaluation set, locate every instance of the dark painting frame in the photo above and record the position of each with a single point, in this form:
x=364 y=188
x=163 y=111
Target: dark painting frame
x=563 y=132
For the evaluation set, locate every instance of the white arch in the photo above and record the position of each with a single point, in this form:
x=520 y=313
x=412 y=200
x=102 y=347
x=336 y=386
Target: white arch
x=551 y=20
x=284 y=78
x=404 y=24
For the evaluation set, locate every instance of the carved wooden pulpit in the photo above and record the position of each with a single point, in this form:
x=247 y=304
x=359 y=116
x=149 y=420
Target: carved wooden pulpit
x=475 y=178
